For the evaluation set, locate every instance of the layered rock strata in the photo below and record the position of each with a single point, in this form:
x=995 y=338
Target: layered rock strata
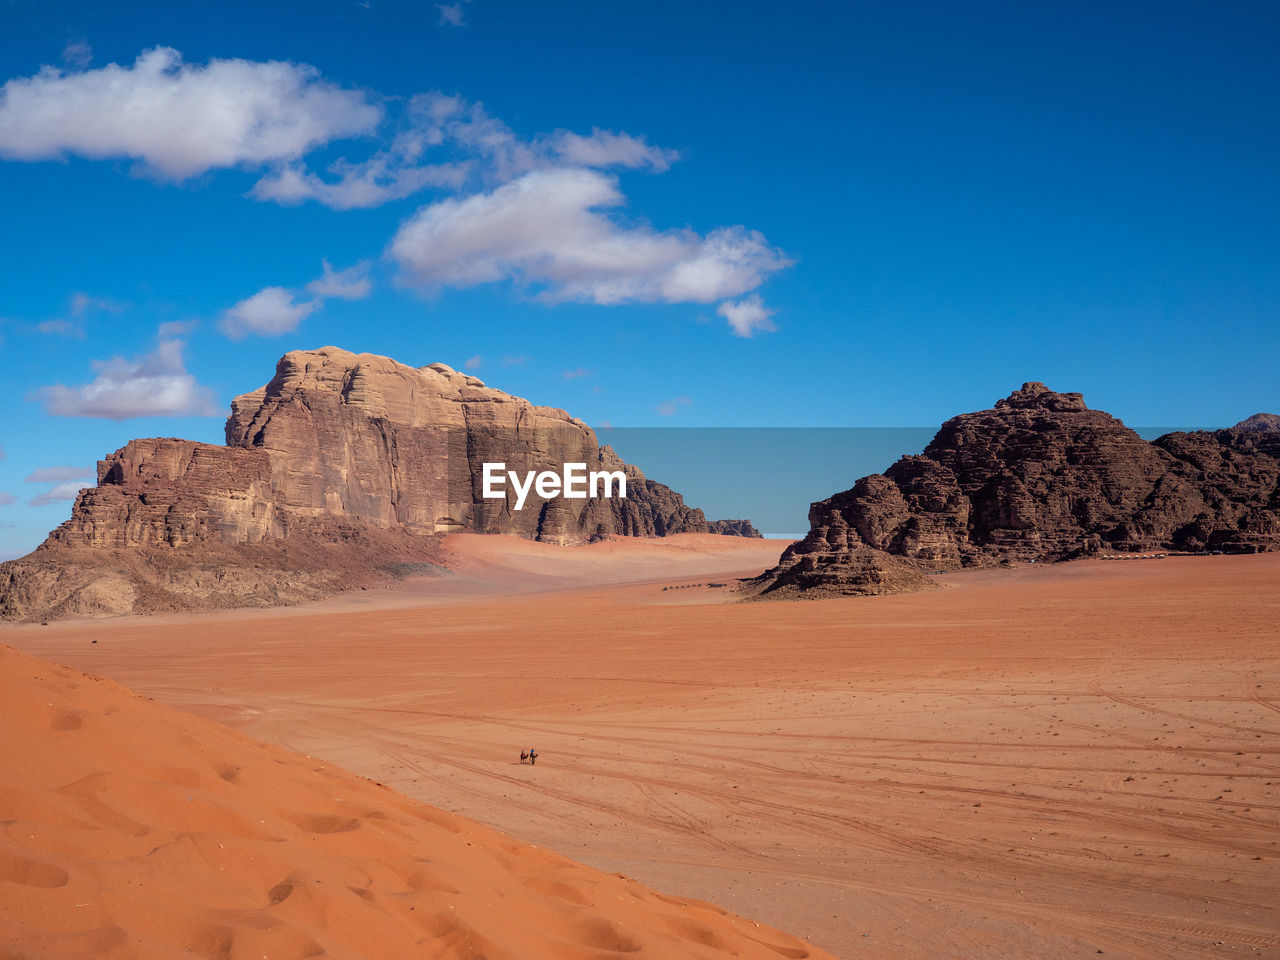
x=335 y=448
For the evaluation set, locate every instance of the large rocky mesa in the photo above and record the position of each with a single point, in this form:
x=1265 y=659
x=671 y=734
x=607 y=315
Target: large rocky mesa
x=343 y=465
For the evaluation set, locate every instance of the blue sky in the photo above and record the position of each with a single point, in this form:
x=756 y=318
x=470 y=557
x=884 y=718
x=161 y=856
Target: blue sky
x=659 y=214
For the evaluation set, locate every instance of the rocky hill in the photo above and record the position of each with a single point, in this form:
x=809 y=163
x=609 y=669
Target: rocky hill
x=1263 y=422
x=734 y=528
x=340 y=471
x=1038 y=477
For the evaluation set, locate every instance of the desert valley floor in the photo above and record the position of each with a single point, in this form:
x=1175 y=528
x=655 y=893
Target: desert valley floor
x=1051 y=761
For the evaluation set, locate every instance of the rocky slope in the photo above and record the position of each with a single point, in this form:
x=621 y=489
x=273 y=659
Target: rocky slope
x=1038 y=477
x=341 y=468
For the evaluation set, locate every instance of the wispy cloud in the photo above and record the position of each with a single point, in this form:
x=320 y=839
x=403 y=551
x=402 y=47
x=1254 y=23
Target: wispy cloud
x=179 y=119
x=748 y=316
x=155 y=384
x=67 y=483
x=177 y=328
x=77 y=54
x=670 y=407
x=518 y=361
x=388 y=175
x=604 y=148
x=58 y=474
x=62 y=492
x=452 y=14
x=7 y=499
x=350 y=284
x=474 y=363
x=61 y=328
x=447 y=143
x=81 y=307
x=577 y=374
x=83 y=304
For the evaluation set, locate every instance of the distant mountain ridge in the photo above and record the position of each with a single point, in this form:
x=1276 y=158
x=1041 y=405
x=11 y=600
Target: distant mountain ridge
x=343 y=467
x=1039 y=476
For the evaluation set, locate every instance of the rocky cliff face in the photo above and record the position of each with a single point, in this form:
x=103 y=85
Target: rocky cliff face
x=336 y=448
x=371 y=441
x=174 y=492
x=1041 y=477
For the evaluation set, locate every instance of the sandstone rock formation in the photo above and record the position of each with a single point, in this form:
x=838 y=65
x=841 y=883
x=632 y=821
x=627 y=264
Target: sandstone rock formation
x=1257 y=434
x=1040 y=477
x=337 y=453
x=733 y=528
x=1260 y=422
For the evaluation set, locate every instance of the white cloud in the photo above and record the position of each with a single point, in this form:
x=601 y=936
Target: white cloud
x=179 y=119
x=474 y=363
x=452 y=14
x=670 y=407
x=58 y=474
x=430 y=122
x=437 y=119
x=445 y=143
x=268 y=313
x=748 y=316
x=63 y=491
x=276 y=310
x=577 y=374
x=154 y=384
x=545 y=230
x=6 y=499
x=514 y=361
x=604 y=148
x=385 y=176
x=350 y=284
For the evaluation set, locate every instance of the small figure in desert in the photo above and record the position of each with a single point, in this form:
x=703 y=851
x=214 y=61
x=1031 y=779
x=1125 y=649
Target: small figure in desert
x=533 y=755
x=523 y=756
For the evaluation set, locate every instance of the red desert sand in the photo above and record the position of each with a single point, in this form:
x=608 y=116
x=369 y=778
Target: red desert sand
x=134 y=830
x=1046 y=762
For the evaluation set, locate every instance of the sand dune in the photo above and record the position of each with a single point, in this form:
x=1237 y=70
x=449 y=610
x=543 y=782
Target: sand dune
x=507 y=566
x=133 y=830
x=1045 y=762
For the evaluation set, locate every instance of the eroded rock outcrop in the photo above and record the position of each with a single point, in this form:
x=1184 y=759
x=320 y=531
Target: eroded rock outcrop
x=336 y=452
x=1040 y=476
x=734 y=528
x=1260 y=422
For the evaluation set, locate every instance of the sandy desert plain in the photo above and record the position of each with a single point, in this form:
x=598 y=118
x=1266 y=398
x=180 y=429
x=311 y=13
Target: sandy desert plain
x=1051 y=761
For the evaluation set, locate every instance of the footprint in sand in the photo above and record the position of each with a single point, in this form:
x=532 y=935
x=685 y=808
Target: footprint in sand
x=604 y=935
x=65 y=720
x=31 y=873
x=322 y=822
